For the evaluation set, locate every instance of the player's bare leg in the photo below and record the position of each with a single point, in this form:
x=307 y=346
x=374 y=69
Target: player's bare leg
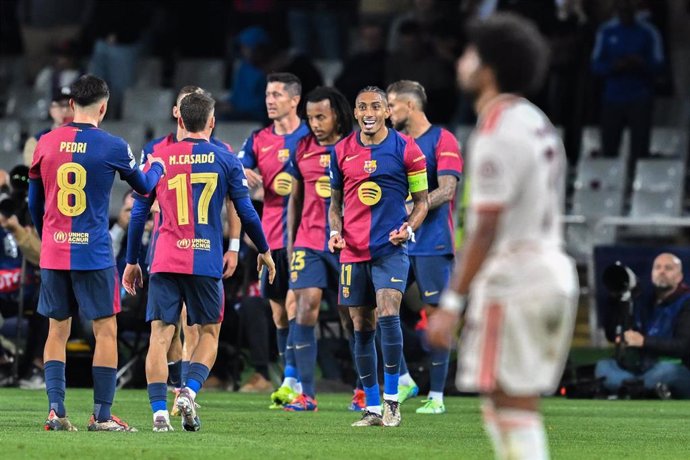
x=308 y=302
x=162 y=335
x=54 y=356
x=284 y=316
x=364 y=323
x=515 y=426
x=388 y=314
x=104 y=372
x=202 y=360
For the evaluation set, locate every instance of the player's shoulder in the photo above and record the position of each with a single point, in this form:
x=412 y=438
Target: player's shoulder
x=348 y=143
x=306 y=144
x=157 y=143
x=222 y=144
x=444 y=133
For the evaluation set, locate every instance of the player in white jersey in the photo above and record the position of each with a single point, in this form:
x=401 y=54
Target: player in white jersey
x=521 y=285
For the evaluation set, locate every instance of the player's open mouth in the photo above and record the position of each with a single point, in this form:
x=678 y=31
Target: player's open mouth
x=368 y=124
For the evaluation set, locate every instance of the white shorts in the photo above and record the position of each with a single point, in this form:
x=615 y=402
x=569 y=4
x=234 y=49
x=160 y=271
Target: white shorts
x=519 y=324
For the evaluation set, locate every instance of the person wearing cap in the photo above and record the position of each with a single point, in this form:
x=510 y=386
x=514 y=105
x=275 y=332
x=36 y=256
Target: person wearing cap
x=60 y=112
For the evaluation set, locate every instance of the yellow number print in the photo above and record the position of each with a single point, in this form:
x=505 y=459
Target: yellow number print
x=346 y=275
x=179 y=184
x=73 y=188
x=298 y=260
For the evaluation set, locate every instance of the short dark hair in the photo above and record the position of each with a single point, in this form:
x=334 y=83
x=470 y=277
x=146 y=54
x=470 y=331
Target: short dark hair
x=89 y=89
x=373 y=89
x=189 y=89
x=342 y=110
x=195 y=108
x=293 y=85
x=410 y=88
x=513 y=48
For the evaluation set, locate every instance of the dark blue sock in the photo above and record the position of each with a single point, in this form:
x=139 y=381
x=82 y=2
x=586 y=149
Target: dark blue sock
x=403 y=365
x=305 y=356
x=175 y=374
x=351 y=343
x=54 y=372
x=158 y=393
x=439 y=368
x=365 y=356
x=281 y=339
x=104 y=379
x=198 y=373
x=290 y=362
x=391 y=348
x=184 y=370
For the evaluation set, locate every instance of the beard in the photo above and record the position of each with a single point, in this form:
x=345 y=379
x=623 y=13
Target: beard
x=663 y=288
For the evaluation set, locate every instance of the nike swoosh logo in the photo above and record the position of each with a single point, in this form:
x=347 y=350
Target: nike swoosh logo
x=288 y=347
x=351 y=158
x=438 y=364
x=430 y=293
x=263 y=149
x=391 y=365
x=299 y=347
x=395 y=280
x=364 y=376
x=310 y=154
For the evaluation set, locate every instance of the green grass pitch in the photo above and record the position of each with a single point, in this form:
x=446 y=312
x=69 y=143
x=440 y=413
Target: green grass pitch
x=236 y=426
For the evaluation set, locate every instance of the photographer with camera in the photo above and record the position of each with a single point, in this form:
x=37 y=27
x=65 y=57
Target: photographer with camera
x=652 y=335
x=20 y=250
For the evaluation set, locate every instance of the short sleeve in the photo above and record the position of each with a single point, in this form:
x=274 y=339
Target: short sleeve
x=246 y=154
x=415 y=165
x=237 y=181
x=35 y=169
x=336 y=174
x=494 y=176
x=448 y=157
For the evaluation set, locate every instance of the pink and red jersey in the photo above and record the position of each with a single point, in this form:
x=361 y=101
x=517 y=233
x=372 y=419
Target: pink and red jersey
x=435 y=235
x=77 y=164
x=199 y=175
x=271 y=154
x=311 y=166
x=374 y=180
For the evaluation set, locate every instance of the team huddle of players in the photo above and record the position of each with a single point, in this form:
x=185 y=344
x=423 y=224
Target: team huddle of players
x=365 y=212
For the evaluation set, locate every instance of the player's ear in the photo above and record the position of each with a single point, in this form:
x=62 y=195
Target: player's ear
x=212 y=122
x=180 y=123
x=175 y=112
x=71 y=104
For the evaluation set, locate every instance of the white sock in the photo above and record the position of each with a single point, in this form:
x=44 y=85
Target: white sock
x=436 y=396
x=523 y=434
x=374 y=409
x=388 y=397
x=163 y=413
x=297 y=388
x=405 y=379
x=290 y=382
x=492 y=429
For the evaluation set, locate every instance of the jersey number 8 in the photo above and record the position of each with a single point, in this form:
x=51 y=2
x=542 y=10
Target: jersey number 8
x=71 y=179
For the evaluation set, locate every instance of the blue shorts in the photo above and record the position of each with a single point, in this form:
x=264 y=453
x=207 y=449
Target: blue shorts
x=278 y=290
x=432 y=274
x=313 y=269
x=203 y=295
x=359 y=281
x=96 y=293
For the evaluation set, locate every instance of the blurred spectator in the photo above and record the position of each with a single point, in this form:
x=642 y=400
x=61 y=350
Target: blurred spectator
x=60 y=74
x=416 y=61
x=260 y=57
x=653 y=345
x=117 y=32
x=318 y=24
x=60 y=112
x=20 y=250
x=628 y=54
x=45 y=23
x=367 y=66
x=427 y=13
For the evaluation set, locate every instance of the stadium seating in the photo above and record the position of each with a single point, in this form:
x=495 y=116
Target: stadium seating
x=329 y=69
x=10 y=135
x=591 y=142
x=207 y=73
x=133 y=132
x=146 y=105
x=235 y=133
x=27 y=104
x=669 y=142
x=149 y=72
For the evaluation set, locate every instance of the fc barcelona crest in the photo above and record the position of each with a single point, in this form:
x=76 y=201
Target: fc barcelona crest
x=325 y=161
x=283 y=155
x=369 y=166
x=346 y=291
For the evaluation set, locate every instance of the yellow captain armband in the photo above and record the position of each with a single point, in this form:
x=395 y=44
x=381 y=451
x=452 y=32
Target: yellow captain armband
x=417 y=181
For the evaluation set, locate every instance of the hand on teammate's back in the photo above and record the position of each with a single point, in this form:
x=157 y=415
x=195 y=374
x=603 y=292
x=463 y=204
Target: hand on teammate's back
x=266 y=260
x=153 y=160
x=131 y=278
